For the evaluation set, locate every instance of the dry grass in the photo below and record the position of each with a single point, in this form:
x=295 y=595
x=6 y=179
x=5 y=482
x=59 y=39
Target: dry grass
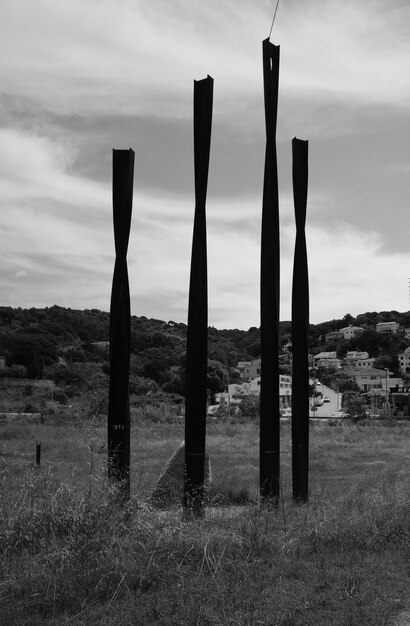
x=71 y=555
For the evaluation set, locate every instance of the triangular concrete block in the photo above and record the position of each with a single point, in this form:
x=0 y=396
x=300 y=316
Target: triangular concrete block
x=169 y=488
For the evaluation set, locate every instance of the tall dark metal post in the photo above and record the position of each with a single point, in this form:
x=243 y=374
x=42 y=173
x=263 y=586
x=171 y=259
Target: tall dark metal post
x=269 y=395
x=300 y=327
x=120 y=325
x=197 y=339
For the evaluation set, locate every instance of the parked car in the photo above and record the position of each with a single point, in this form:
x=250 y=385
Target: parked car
x=326 y=399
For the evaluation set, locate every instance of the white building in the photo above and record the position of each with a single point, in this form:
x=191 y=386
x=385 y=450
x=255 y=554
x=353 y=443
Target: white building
x=365 y=363
x=404 y=360
x=252 y=387
x=326 y=359
x=387 y=327
x=356 y=355
x=249 y=370
x=356 y=358
x=333 y=335
x=373 y=379
x=349 y=332
x=242 y=366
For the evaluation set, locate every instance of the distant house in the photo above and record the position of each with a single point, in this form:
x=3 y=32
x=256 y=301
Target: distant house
x=404 y=360
x=326 y=359
x=249 y=369
x=286 y=358
x=252 y=387
x=387 y=327
x=357 y=358
x=364 y=363
x=356 y=355
x=333 y=335
x=373 y=379
x=407 y=334
x=351 y=331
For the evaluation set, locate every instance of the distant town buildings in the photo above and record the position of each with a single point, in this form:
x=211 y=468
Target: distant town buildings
x=370 y=379
x=326 y=359
x=356 y=358
x=387 y=327
x=249 y=369
x=351 y=331
x=252 y=387
x=404 y=360
x=333 y=335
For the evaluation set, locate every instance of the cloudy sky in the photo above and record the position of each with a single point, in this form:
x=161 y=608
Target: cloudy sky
x=80 y=77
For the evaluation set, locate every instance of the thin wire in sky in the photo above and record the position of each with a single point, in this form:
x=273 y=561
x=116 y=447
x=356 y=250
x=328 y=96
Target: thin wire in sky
x=274 y=15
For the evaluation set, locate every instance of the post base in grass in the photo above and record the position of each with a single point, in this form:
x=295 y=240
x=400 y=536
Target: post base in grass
x=269 y=488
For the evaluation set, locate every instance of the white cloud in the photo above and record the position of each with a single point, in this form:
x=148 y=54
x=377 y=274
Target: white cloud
x=136 y=56
x=141 y=58
x=58 y=248
x=350 y=273
x=35 y=167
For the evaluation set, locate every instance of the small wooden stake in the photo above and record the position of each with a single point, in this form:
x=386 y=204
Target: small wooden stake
x=38 y=454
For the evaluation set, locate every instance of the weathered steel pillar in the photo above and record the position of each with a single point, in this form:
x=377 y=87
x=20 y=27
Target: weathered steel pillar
x=120 y=325
x=269 y=395
x=300 y=327
x=197 y=338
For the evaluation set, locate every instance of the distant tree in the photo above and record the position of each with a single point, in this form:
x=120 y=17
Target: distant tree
x=345 y=384
x=154 y=368
x=141 y=386
x=354 y=405
x=217 y=378
x=174 y=380
x=34 y=350
x=314 y=392
x=255 y=349
x=248 y=407
x=326 y=375
x=218 y=352
x=348 y=319
x=368 y=319
x=234 y=376
x=390 y=362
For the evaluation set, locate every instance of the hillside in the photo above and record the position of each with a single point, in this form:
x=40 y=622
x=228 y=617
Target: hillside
x=70 y=347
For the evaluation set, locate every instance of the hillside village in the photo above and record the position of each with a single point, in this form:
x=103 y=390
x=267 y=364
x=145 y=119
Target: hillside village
x=355 y=371
x=66 y=352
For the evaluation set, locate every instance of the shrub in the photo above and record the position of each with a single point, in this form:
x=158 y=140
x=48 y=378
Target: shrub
x=248 y=407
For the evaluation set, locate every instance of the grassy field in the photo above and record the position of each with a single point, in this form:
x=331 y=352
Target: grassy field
x=71 y=555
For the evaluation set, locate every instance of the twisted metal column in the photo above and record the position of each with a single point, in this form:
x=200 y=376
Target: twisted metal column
x=269 y=294
x=120 y=325
x=300 y=327
x=197 y=338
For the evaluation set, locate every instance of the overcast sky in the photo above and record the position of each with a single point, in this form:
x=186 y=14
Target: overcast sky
x=80 y=77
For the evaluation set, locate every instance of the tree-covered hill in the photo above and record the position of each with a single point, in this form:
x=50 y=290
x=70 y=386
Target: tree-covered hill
x=54 y=341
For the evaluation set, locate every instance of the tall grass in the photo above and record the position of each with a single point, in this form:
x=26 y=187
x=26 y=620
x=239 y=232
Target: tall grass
x=71 y=554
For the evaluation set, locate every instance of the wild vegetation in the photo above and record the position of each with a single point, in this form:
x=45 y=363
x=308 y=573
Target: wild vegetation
x=71 y=554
